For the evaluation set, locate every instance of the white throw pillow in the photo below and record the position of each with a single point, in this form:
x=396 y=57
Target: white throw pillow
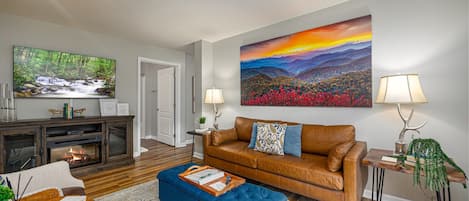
x=270 y=138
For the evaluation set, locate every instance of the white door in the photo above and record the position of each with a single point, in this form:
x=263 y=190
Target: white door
x=165 y=110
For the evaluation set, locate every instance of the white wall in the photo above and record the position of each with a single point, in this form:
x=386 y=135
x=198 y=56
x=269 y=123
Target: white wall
x=32 y=33
x=425 y=37
x=203 y=65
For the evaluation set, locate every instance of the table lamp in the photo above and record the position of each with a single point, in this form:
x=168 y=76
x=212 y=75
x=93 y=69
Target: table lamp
x=402 y=89
x=214 y=96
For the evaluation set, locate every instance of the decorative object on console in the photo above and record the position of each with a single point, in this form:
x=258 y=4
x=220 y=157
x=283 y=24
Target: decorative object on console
x=433 y=164
x=7 y=104
x=108 y=107
x=67 y=111
x=402 y=89
x=40 y=73
x=79 y=112
x=59 y=113
x=326 y=66
x=123 y=109
x=214 y=96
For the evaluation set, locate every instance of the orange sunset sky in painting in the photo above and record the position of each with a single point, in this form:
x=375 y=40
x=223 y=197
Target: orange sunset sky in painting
x=354 y=30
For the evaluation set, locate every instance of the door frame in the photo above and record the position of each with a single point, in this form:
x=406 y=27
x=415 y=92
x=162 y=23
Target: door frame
x=178 y=124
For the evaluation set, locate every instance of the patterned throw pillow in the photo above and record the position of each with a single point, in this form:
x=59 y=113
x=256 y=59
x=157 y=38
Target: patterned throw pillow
x=271 y=138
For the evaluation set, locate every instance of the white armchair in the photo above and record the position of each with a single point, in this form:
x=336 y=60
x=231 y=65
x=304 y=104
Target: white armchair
x=53 y=175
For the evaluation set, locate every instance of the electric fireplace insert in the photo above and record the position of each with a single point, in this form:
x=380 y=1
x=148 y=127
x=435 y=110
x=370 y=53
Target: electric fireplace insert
x=77 y=150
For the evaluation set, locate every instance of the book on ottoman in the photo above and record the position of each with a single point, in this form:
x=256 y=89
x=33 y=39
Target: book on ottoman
x=205 y=176
x=211 y=180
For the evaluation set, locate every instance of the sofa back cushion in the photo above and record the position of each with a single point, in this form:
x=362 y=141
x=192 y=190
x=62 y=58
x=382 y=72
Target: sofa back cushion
x=315 y=139
x=243 y=127
x=320 y=139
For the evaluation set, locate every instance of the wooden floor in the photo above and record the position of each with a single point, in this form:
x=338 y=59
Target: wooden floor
x=146 y=167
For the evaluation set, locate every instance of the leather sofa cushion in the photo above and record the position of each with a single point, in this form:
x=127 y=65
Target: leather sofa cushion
x=309 y=168
x=337 y=154
x=320 y=139
x=236 y=152
x=222 y=136
x=244 y=127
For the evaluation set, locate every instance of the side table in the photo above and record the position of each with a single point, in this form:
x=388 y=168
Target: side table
x=193 y=133
x=373 y=159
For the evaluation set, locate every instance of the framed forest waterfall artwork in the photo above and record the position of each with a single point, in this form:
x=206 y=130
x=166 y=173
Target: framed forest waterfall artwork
x=325 y=66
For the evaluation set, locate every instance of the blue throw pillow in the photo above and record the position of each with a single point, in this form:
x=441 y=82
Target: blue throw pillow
x=292 y=140
x=252 y=142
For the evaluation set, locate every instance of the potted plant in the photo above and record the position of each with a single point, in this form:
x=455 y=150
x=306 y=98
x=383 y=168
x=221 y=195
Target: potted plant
x=202 y=122
x=6 y=193
x=433 y=163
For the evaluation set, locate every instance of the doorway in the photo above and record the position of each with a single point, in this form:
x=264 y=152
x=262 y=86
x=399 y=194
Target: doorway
x=159 y=101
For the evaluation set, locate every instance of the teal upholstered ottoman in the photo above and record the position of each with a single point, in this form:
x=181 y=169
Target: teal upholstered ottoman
x=172 y=188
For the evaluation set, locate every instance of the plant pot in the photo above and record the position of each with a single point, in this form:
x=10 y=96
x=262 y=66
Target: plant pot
x=202 y=126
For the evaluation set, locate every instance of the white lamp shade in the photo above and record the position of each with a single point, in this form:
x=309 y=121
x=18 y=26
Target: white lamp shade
x=214 y=96
x=400 y=89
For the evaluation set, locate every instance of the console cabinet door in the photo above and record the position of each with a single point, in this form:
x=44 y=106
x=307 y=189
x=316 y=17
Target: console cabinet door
x=118 y=140
x=21 y=149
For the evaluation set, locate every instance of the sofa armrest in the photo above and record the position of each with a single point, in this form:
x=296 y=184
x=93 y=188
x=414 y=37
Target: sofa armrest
x=355 y=174
x=207 y=138
x=222 y=136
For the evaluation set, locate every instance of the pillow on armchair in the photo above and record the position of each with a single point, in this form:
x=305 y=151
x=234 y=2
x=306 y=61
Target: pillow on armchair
x=270 y=138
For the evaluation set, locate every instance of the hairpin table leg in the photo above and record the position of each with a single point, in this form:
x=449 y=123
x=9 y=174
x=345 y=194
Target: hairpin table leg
x=378 y=183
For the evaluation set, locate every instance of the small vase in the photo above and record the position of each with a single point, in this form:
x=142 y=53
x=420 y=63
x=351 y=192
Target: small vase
x=202 y=126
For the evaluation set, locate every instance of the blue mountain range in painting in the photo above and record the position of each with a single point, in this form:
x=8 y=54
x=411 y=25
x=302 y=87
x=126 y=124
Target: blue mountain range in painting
x=312 y=66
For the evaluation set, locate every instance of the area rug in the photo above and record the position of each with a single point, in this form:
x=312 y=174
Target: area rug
x=142 y=192
x=149 y=192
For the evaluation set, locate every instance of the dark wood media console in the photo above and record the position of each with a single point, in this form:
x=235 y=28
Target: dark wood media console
x=88 y=144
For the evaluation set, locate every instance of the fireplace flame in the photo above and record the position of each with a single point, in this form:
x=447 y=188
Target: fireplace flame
x=73 y=156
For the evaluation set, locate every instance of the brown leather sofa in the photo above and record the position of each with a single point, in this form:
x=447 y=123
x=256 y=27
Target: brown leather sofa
x=309 y=175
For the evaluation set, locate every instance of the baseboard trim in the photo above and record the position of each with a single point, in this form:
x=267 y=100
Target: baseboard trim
x=386 y=197
x=136 y=154
x=198 y=155
x=188 y=141
x=150 y=138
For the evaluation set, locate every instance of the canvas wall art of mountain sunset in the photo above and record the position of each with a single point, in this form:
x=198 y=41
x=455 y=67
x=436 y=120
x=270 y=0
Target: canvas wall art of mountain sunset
x=325 y=66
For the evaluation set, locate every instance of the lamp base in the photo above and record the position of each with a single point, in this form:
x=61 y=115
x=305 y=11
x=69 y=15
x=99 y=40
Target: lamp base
x=400 y=147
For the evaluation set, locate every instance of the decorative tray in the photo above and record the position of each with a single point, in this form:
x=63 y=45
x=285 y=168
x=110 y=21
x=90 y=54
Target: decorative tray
x=234 y=182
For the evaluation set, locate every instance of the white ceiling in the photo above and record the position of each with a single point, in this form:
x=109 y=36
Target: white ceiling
x=166 y=23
